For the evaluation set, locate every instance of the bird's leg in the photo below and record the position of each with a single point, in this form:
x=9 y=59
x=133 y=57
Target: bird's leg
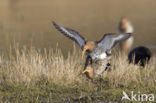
x=88 y=61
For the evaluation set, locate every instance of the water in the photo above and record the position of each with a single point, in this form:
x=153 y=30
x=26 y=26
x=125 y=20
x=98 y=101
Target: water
x=28 y=22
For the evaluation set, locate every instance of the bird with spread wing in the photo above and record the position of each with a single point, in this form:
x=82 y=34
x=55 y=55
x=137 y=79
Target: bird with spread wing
x=98 y=52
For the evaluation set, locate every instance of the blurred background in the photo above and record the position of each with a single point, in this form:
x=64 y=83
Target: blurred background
x=28 y=22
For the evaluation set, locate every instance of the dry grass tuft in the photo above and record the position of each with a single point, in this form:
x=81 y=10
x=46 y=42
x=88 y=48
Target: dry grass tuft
x=28 y=66
x=124 y=73
x=31 y=67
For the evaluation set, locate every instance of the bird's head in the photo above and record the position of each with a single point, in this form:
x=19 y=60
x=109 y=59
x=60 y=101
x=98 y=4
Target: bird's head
x=90 y=71
x=126 y=25
x=88 y=47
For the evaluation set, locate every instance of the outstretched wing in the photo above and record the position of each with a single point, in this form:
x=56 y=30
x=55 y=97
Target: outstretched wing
x=110 y=40
x=71 y=34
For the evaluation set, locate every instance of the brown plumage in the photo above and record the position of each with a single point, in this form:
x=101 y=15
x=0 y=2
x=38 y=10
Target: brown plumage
x=98 y=52
x=95 y=68
x=125 y=26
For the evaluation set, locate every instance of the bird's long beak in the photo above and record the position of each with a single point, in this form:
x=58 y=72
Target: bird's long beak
x=84 y=71
x=83 y=53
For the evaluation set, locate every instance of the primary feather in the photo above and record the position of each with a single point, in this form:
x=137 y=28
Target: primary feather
x=74 y=35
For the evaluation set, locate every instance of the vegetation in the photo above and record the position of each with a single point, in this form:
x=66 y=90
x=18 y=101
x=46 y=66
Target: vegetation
x=41 y=76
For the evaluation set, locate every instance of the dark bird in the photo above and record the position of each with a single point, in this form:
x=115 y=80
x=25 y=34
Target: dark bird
x=125 y=26
x=139 y=55
x=96 y=51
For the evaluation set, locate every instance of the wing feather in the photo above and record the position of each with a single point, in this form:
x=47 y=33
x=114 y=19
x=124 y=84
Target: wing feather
x=110 y=40
x=74 y=35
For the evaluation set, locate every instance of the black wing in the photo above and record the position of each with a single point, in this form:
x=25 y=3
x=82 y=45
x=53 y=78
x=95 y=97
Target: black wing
x=71 y=34
x=110 y=40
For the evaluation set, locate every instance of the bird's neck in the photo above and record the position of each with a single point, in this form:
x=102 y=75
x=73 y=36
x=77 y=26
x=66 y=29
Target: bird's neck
x=91 y=74
x=129 y=28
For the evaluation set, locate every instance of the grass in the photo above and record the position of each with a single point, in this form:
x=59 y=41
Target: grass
x=41 y=76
